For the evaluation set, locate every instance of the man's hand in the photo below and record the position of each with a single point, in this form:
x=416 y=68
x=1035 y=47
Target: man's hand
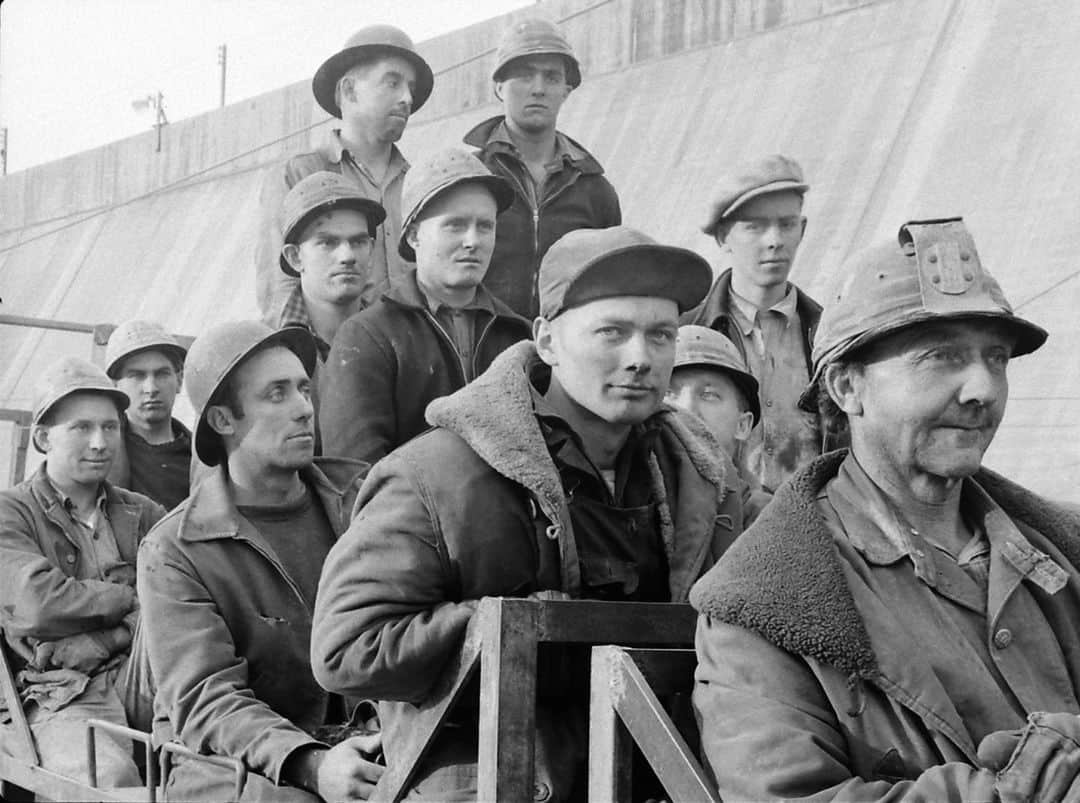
x=81 y=652
x=345 y=773
x=1040 y=763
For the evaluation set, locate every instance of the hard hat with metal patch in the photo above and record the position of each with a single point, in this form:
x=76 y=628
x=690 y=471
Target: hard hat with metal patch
x=932 y=273
x=535 y=37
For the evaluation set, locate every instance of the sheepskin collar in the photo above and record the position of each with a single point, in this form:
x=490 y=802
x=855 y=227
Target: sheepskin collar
x=783 y=578
x=494 y=415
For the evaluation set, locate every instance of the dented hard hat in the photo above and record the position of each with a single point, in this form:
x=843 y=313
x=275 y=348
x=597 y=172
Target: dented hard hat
x=72 y=375
x=535 y=37
x=932 y=273
x=134 y=337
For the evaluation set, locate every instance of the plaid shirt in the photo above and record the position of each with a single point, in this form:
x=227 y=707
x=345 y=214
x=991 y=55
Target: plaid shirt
x=294 y=313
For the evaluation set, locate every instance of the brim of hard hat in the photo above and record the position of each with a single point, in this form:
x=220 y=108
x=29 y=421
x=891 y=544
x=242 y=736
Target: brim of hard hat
x=746 y=383
x=1029 y=337
x=298 y=339
x=179 y=352
x=573 y=69
x=329 y=73
x=117 y=396
x=497 y=185
x=372 y=210
x=649 y=270
x=757 y=192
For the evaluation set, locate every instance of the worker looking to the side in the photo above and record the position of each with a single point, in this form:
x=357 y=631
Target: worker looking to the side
x=154 y=458
x=900 y=622
x=435 y=330
x=558 y=185
x=68 y=545
x=710 y=380
x=756 y=217
x=373 y=85
x=227 y=581
x=558 y=471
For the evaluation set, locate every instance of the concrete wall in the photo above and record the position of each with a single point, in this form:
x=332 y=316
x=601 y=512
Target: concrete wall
x=897 y=109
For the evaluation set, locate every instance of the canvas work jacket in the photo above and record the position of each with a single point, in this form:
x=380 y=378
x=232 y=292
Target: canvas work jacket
x=576 y=195
x=226 y=629
x=474 y=508
x=809 y=683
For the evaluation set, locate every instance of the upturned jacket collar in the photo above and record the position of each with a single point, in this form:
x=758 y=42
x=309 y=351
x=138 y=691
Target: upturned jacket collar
x=783 y=580
x=407 y=293
x=488 y=136
x=494 y=415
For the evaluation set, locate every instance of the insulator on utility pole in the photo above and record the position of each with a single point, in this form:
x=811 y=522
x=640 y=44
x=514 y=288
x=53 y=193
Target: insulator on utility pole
x=223 y=58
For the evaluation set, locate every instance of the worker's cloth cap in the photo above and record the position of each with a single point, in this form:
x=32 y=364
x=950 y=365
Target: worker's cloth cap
x=535 y=37
x=72 y=375
x=931 y=273
x=588 y=264
x=220 y=351
x=442 y=171
x=133 y=337
x=318 y=194
x=700 y=346
x=762 y=176
x=368 y=44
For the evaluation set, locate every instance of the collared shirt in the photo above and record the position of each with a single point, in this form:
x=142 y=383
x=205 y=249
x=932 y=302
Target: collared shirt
x=772 y=341
x=387 y=265
x=564 y=152
x=96 y=540
x=295 y=313
x=991 y=621
x=459 y=324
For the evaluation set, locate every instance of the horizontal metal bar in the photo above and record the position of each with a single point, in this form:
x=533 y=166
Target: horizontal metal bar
x=47 y=323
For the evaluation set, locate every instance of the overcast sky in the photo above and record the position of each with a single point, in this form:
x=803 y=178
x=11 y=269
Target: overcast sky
x=70 y=69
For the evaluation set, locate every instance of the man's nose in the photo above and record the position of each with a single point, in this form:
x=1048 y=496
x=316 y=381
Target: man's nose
x=983 y=384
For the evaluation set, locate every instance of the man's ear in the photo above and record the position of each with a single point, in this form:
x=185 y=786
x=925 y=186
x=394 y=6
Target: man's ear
x=291 y=252
x=744 y=425
x=40 y=436
x=543 y=337
x=411 y=237
x=220 y=419
x=496 y=89
x=844 y=384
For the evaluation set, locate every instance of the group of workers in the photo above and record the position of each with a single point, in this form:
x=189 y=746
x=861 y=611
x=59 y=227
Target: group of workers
x=473 y=382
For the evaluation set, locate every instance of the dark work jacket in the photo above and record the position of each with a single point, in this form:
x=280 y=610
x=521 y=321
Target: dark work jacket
x=389 y=361
x=577 y=196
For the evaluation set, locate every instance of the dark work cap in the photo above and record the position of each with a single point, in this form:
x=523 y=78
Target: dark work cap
x=589 y=264
x=764 y=175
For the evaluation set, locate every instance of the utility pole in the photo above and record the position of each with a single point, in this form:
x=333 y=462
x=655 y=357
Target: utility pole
x=3 y=151
x=223 y=58
x=157 y=103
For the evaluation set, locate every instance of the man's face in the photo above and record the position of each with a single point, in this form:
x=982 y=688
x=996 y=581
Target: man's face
x=710 y=394
x=81 y=439
x=762 y=237
x=533 y=90
x=333 y=257
x=929 y=399
x=277 y=430
x=612 y=357
x=455 y=237
x=151 y=383
x=377 y=97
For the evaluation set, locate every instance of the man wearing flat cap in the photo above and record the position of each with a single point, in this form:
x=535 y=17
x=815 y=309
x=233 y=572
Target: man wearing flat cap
x=900 y=622
x=558 y=185
x=756 y=219
x=373 y=85
x=68 y=544
x=435 y=330
x=558 y=471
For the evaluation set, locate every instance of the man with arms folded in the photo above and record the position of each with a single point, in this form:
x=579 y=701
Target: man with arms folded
x=147 y=363
x=900 y=622
x=68 y=542
x=434 y=331
x=557 y=471
x=227 y=580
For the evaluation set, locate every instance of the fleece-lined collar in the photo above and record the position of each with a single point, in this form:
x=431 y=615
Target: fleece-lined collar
x=783 y=579
x=494 y=415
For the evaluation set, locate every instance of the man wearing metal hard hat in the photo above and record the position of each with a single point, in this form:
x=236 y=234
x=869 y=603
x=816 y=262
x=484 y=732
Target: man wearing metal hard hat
x=147 y=363
x=372 y=85
x=755 y=215
x=227 y=581
x=900 y=622
x=436 y=329
x=558 y=185
x=559 y=472
x=68 y=544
